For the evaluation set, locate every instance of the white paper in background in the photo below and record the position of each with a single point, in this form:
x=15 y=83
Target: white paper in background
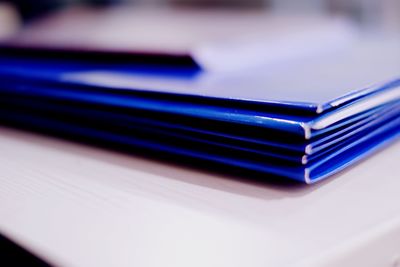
x=9 y=21
x=216 y=40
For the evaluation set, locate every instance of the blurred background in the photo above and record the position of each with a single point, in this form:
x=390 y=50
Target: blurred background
x=375 y=16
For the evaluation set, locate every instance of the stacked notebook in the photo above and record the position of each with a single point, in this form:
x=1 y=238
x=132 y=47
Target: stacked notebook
x=261 y=121
x=303 y=120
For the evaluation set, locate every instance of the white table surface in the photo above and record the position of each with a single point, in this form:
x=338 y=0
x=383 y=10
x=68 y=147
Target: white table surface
x=76 y=205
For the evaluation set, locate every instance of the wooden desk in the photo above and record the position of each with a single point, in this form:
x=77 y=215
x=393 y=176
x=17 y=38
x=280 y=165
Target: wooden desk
x=81 y=206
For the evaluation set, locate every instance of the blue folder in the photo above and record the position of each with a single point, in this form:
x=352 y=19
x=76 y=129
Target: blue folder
x=259 y=120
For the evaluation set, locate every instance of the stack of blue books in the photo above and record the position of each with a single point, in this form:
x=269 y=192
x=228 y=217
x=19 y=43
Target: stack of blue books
x=304 y=120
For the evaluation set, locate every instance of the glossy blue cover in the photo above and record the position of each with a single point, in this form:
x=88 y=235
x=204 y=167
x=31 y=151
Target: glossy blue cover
x=226 y=119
